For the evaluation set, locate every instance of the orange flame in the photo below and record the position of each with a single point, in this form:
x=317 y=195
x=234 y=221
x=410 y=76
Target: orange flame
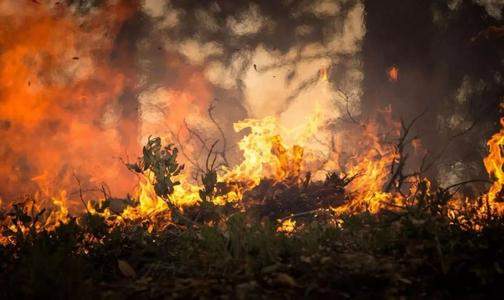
x=287 y=226
x=393 y=74
x=323 y=74
x=494 y=163
x=58 y=94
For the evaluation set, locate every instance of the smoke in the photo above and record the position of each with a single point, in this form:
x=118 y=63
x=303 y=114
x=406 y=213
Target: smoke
x=449 y=60
x=492 y=7
x=256 y=60
x=85 y=83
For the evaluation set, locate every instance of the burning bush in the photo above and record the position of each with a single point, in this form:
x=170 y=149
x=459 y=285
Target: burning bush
x=282 y=233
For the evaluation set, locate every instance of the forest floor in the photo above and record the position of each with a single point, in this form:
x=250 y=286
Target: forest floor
x=416 y=251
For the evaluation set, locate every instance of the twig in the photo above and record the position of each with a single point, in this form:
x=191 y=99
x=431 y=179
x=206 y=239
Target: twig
x=104 y=192
x=80 y=193
x=194 y=133
x=397 y=168
x=181 y=150
x=305 y=213
x=348 y=109
x=210 y=168
x=223 y=136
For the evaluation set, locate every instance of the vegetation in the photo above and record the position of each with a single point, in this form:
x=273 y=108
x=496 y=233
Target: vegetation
x=423 y=248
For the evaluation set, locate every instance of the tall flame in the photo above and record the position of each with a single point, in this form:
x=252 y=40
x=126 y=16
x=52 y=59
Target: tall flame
x=494 y=163
x=58 y=99
x=264 y=153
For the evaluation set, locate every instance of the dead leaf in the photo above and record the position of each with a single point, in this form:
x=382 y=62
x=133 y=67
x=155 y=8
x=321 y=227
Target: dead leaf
x=269 y=269
x=126 y=269
x=404 y=280
x=305 y=259
x=285 y=279
x=417 y=222
x=325 y=259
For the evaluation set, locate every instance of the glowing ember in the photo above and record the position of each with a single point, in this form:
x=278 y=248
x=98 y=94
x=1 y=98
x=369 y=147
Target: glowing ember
x=324 y=74
x=287 y=226
x=393 y=74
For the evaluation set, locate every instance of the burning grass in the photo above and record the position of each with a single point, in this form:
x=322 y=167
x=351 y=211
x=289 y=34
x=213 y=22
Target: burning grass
x=418 y=250
x=266 y=228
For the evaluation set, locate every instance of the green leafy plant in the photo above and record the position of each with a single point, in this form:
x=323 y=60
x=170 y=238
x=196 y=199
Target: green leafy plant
x=162 y=162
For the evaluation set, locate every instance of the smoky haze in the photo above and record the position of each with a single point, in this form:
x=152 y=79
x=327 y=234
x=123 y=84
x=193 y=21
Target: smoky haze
x=87 y=82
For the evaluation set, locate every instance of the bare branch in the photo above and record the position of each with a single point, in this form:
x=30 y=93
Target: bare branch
x=80 y=193
x=210 y=168
x=223 y=136
x=397 y=167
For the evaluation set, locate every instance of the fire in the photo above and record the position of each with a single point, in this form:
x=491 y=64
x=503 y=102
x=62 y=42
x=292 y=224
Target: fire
x=494 y=163
x=267 y=155
x=57 y=99
x=149 y=202
x=264 y=153
x=60 y=213
x=287 y=226
x=59 y=117
x=323 y=73
x=393 y=74
x=369 y=164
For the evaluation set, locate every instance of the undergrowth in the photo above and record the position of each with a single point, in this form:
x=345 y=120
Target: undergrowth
x=420 y=249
